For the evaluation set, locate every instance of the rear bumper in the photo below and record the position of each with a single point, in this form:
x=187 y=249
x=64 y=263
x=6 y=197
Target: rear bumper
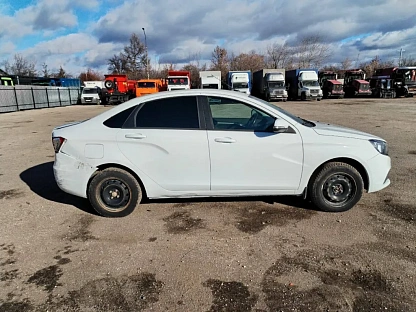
x=72 y=175
x=378 y=170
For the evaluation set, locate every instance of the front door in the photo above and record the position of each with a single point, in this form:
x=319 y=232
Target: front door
x=169 y=145
x=246 y=154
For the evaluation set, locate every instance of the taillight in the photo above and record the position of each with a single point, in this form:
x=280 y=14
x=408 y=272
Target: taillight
x=57 y=143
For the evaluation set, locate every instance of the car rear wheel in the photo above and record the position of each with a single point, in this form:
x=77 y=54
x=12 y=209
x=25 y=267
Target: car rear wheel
x=337 y=187
x=114 y=193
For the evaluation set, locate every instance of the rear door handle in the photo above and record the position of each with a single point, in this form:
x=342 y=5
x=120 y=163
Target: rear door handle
x=135 y=136
x=224 y=140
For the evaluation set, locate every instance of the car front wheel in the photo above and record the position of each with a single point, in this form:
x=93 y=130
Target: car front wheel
x=337 y=187
x=114 y=192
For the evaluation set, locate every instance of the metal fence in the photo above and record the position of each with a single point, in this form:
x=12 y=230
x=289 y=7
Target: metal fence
x=24 y=97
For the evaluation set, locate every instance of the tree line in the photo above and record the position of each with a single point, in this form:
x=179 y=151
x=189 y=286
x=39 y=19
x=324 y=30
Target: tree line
x=308 y=52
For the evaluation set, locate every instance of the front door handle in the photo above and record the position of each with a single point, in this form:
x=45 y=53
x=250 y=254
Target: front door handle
x=135 y=136
x=224 y=140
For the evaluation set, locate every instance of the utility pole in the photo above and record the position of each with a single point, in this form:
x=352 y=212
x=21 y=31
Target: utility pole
x=401 y=54
x=147 y=53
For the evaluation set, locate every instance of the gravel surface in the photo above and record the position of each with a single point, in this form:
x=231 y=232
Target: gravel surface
x=257 y=254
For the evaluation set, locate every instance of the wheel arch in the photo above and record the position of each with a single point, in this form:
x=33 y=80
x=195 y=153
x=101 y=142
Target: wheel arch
x=113 y=165
x=352 y=162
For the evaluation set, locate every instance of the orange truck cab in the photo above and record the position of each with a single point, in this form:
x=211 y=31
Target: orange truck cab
x=148 y=86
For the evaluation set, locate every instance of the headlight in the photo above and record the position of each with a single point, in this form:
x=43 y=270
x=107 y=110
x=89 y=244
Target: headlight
x=380 y=146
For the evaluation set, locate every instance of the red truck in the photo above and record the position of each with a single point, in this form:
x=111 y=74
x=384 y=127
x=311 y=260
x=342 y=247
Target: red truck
x=330 y=85
x=119 y=89
x=179 y=80
x=355 y=83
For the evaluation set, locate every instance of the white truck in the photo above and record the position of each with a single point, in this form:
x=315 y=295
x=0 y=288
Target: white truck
x=90 y=94
x=239 y=81
x=303 y=84
x=269 y=84
x=210 y=79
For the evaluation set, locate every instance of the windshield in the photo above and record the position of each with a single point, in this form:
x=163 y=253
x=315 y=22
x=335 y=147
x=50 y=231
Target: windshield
x=178 y=81
x=240 y=85
x=146 y=84
x=310 y=83
x=329 y=77
x=277 y=84
x=90 y=91
x=302 y=121
x=357 y=76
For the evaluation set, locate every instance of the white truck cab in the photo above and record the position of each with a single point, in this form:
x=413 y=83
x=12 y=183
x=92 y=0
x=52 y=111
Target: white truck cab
x=309 y=85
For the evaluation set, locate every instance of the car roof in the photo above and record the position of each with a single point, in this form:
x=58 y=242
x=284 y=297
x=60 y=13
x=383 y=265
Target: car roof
x=168 y=94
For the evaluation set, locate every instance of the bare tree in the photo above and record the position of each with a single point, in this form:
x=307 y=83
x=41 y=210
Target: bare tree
x=61 y=74
x=117 y=64
x=20 y=66
x=279 y=56
x=45 y=71
x=136 y=57
x=346 y=64
x=219 y=61
x=311 y=51
x=90 y=75
x=409 y=61
x=251 y=61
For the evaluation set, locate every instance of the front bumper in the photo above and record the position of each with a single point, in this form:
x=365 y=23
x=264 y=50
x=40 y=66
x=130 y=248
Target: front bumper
x=378 y=169
x=72 y=175
x=90 y=101
x=313 y=96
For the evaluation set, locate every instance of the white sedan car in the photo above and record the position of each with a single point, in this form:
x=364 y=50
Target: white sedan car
x=206 y=143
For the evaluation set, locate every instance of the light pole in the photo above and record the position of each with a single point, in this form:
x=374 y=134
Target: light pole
x=147 y=53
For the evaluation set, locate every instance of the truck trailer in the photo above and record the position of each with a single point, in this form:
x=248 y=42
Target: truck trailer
x=178 y=80
x=210 y=79
x=269 y=84
x=239 y=81
x=303 y=84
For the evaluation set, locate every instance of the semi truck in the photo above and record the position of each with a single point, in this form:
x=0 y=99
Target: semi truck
x=210 y=79
x=303 y=84
x=330 y=85
x=178 y=80
x=269 y=84
x=355 y=83
x=118 y=89
x=239 y=81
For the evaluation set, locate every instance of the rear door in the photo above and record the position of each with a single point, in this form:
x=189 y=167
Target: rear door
x=168 y=143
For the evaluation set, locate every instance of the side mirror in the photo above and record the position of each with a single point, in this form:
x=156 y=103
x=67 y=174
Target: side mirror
x=280 y=126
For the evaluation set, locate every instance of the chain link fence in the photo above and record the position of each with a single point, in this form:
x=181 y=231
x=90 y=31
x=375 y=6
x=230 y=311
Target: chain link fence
x=24 y=97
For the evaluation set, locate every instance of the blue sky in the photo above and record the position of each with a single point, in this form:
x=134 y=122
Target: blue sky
x=80 y=34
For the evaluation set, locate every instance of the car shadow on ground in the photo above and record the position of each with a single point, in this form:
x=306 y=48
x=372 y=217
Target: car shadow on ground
x=41 y=181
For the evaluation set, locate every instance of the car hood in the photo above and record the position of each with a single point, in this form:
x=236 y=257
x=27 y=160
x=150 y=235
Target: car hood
x=333 y=130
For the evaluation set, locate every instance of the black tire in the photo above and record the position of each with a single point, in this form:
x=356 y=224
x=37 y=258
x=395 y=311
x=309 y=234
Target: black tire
x=337 y=187
x=114 y=193
x=303 y=96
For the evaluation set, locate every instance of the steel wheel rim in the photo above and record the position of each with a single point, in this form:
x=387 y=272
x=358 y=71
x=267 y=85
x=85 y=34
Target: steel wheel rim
x=115 y=195
x=339 y=189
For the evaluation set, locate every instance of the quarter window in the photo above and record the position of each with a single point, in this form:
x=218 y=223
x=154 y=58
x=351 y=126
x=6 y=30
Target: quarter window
x=229 y=114
x=176 y=112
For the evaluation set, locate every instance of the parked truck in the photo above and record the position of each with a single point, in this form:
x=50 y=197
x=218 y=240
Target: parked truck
x=210 y=79
x=355 y=83
x=269 y=84
x=303 y=84
x=94 y=84
x=239 y=81
x=330 y=85
x=401 y=80
x=178 y=80
x=149 y=86
x=118 y=89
